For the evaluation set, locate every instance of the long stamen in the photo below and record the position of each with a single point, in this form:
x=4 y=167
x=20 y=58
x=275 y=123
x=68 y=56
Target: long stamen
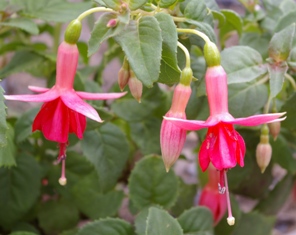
x=230 y=218
x=63 y=179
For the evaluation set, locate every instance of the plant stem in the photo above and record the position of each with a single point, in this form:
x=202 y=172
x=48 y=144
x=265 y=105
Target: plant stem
x=179 y=19
x=56 y=37
x=291 y=80
x=196 y=32
x=186 y=52
x=93 y=10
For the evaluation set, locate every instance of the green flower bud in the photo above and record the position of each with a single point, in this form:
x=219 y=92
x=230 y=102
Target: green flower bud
x=73 y=31
x=212 y=54
x=186 y=76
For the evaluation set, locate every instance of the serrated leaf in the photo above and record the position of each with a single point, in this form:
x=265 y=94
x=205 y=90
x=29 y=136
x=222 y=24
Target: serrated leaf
x=160 y=222
x=196 y=10
x=255 y=224
x=108 y=226
x=92 y=202
x=20 y=188
x=271 y=204
x=276 y=77
x=21 y=61
x=197 y=220
x=283 y=155
x=150 y=184
x=290 y=108
x=22 y=23
x=3 y=124
x=285 y=20
x=141 y=42
x=23 y=126
x=7 y=152
x=242 y=64
x=169 y=70
x=108 y=150
x=280 y=44
x=245 y=99
x=54 y=10
x=56 y=216
x=101 y=32
x=146 y=135
x=135 y=4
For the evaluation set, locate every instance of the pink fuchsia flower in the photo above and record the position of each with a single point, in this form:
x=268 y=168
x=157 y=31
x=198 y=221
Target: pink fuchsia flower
x=64 y=110
x=223 y=146
x=172 y=137
x=211 y=198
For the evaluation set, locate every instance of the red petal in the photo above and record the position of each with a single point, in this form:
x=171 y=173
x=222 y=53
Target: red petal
x=77 y=123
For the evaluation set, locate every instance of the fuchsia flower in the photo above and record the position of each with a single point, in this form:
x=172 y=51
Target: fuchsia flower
x=64 y=111
x=223 y=145
x=211 y=198
x=172 y=137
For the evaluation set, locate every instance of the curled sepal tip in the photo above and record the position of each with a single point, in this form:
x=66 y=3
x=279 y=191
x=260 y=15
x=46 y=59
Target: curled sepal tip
x=73 y=31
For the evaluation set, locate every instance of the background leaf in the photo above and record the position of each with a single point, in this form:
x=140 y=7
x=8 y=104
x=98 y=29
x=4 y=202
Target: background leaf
x=3 y=125
x=22 y=23
x=7 y=152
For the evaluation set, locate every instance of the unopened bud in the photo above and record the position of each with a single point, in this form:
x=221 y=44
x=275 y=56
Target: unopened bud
x=73 y=32
x=212 y=54
x=135 y=86
x=263 y=153
x=274 y=129
x=231 y=220
x=186 y=76
x=123 y=75
x=112 y=23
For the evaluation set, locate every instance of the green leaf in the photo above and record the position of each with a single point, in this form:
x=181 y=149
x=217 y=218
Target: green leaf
x=22 y=61
x=54 y=10
x=185 y=199
x=3 y=124
x=285 y=20
x=22 y=233
x=290 y=108
x=255 y=224
x=146 y=135
x=160 y=222
x=281 y=43
x=135 y=4
x=276 y=77
x=92 y=202
x=169 y=70
x=23 y=126
x=7 y=152
x=22 y=23
x=166 y=3
x=101 y=32
x=56 y=216
x=108 y=226
x=197 y=220
x=108 y=150
x=140 y=221
x=203 y=27
x=141 y=42
x=114 y=4
x=150 y=184
x=233 y=23
x=196 y=10
x=271 y=204
x=245 y=99
x=20 y=188
x=283 y=155
x=242 y=64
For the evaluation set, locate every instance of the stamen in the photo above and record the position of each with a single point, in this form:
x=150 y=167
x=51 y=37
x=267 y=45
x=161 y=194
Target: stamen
x=230 y=218
x=62 y=153
x=63 y=179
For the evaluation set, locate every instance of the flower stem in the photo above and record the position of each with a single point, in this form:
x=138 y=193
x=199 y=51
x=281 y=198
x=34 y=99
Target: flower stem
x=196 y=32
x=179 y=19
x=93 y=10
x=291 y=80
x=186 y=52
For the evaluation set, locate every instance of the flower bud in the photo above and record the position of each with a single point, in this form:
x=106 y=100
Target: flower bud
x=73 y=31
x=135 y=86
x=186 y=76
x=112 y=23
x=123 y=75
x=212 y=54
x=172 y=137
x=274 y=129
x=263 y=150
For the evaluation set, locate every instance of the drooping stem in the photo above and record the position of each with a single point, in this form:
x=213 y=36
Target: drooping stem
x=93 y=10
x=196 y=32
x=186 y=52
x=266 y=108
x=291 y=80
x=230 y=218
